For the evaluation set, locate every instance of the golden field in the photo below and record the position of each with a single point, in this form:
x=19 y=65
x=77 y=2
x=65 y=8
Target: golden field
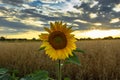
x=101 y=60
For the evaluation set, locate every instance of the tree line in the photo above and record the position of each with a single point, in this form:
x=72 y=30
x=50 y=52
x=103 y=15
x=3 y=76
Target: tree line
x=2 y=38
x=105 y=38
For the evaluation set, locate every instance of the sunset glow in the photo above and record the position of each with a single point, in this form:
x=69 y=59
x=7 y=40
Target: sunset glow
x=102 y=33
x=97 y=33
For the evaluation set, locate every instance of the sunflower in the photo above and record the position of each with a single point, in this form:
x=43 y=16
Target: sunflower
x=59 y=42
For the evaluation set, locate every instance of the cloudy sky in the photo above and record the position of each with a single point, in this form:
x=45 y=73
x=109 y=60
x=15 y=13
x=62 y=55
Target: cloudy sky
x=89 y=18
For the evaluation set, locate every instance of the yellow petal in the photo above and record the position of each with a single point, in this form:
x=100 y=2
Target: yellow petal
x=69 y=51
x=61 y=54
x=69 y=29
x=47 y=29
x=57 y=26
x=60 y=26
x=52 y=53
x=44 y=44
x=44 y=36
x=65 y=53
x=52 y=26
x=60 y=23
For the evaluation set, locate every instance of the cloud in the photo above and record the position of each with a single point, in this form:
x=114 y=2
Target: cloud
x=68 y=5
x=8 y=30
x=81 y=21
x=115 y=20
x=94 y=4
x=18 y=26
x=13 y=2
x=28 y=34
x=76 y=25
x=33 y=22
x=102 y=33
x=92 y=15
x=117 y=8
x=106 y=9
x=109 y=2
x=97 y=24
x=2 y=14
x=96 y=33
x=52 y=1
x=1 y=28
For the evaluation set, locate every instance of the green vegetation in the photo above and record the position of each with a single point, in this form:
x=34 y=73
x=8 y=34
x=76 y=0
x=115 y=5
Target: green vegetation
x=5 y=74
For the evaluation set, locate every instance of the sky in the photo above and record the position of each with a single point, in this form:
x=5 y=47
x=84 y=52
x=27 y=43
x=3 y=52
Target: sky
x=89 y=18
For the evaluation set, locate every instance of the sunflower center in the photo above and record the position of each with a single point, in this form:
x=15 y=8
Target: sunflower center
x=58 y=40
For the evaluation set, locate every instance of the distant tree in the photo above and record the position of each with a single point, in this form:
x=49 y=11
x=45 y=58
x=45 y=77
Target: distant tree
x=88 y=38
x=77 y=39
x=82 y=38
x=109 y=37
x=21 y=39
x=98 y=38
x=2 y=38
x=117 y=37
x=33 y=39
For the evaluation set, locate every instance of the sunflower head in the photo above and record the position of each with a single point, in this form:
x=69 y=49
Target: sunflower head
x=59 y=42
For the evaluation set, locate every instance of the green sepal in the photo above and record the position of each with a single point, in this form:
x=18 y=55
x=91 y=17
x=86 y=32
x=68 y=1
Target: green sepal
x=79 y=50
x=41 y=48
x=73 y=59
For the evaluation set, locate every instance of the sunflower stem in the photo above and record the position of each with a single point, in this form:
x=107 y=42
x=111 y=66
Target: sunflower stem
x=59 y=70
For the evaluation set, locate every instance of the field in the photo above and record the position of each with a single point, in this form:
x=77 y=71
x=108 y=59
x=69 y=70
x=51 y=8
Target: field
x=101 y=60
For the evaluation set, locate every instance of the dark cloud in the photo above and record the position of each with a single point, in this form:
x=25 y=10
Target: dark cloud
x=106 y=9
x=9 y=31
x=97 y=8
x=115 y=25
x=36 y=3
x=116 y=14
x=66 y=19
x=29 y=11
x=70 y=19
x=108 y=2
x=13 y=2
x=83 y=5
x=3 y=8
x=82 y=26
x=18 y=25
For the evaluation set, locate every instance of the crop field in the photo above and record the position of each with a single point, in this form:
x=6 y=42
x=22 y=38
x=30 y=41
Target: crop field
x=101 y=60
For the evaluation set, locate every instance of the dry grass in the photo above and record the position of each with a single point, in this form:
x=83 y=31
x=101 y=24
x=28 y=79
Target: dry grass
x=101 y=60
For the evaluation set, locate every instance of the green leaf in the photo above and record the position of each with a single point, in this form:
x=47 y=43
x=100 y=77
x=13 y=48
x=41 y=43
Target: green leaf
x=5 y=77
x=78 y=50
x=73 y=59
x=39 y=75
x=26 y=78
x=13 y=74
x=41 y=48
x=3 y=70
x=67 y=78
